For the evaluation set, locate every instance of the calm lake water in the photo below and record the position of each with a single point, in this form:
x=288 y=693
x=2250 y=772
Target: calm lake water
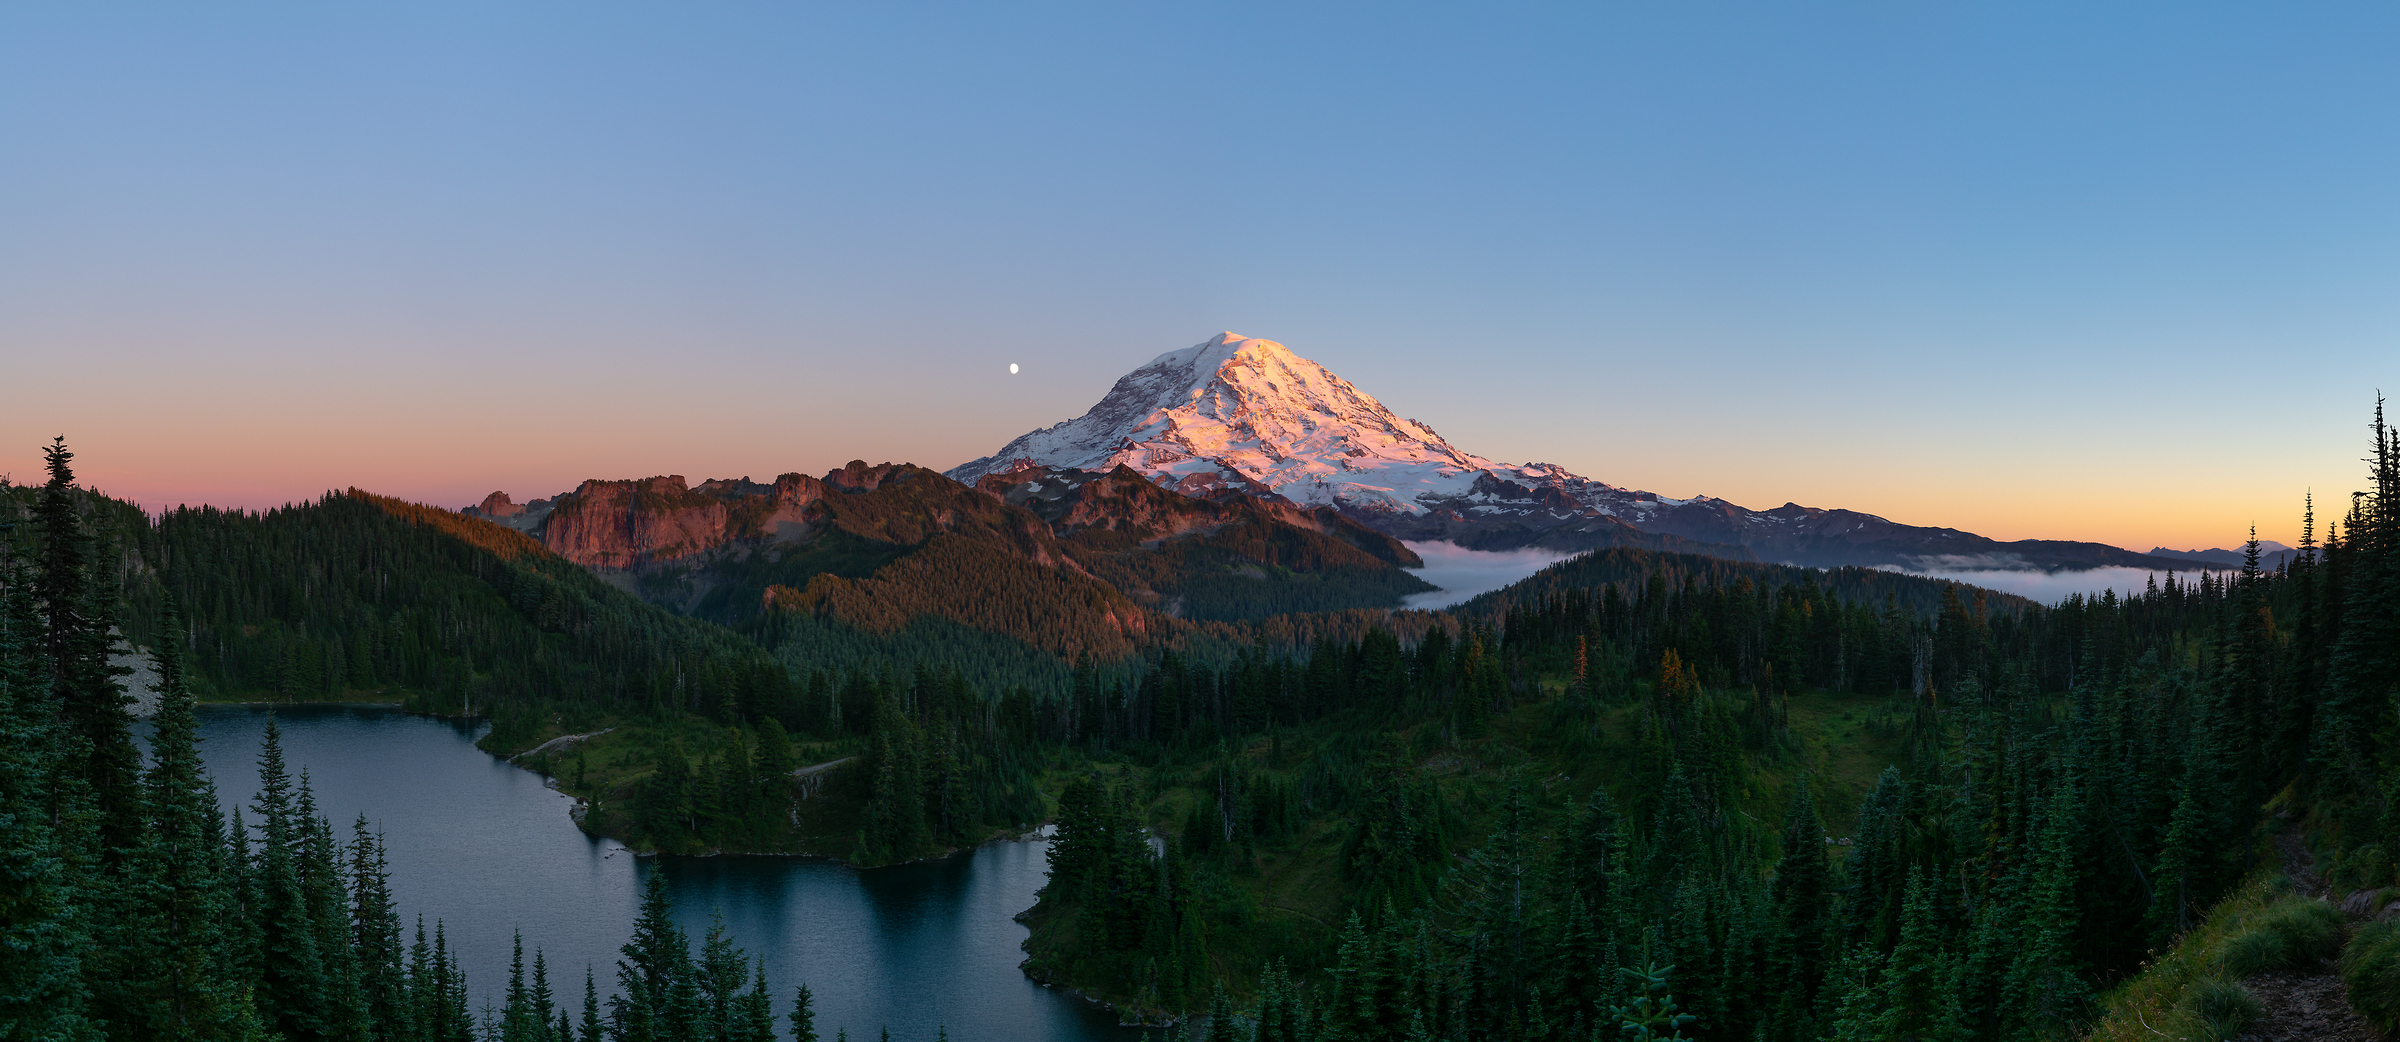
x=487 y=849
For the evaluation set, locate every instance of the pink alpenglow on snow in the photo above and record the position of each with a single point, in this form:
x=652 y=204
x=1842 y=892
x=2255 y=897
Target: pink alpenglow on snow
x=1246 y=414
x=1249 y=413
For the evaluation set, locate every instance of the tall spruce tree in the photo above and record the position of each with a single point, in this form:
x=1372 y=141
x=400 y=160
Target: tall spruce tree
x=41 y=943
x=291 y=993
x=1801 y=888
x=171 y=979
x=78 y=601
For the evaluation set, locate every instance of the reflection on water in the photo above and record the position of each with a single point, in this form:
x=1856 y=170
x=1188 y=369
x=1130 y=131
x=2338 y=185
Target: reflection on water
x=486 y=849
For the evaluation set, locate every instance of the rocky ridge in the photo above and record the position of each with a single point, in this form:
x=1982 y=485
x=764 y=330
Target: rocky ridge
x=880 y=545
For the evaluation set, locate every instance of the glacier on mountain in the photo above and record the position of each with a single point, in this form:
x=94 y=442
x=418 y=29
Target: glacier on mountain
x=1240 y=414
x=1248 y=413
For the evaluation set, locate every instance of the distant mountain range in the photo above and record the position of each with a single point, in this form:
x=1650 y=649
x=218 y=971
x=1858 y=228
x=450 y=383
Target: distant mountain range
x=1238 y=414
x=2271 y=555
x=1229 y=480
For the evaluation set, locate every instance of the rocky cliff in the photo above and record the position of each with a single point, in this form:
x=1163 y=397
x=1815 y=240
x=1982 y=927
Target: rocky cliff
x=1098 y=552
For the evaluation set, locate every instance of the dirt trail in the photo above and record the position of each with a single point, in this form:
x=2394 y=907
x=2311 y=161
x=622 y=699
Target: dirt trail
x=560 y=742
x=2299 y=866
x=2304 y=1005
x=816 y=769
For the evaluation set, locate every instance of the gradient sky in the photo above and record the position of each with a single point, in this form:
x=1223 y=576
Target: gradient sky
x=2123 y=272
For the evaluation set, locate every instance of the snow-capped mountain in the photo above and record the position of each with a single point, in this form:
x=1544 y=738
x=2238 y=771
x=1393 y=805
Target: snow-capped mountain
x=1239 y=413
x=1252 y=414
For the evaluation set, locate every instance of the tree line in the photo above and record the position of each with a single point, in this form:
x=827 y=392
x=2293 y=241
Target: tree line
x=2078 y=785
x=131 y=907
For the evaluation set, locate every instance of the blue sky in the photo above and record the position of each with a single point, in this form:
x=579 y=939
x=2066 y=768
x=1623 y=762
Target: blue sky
x=2120 y=272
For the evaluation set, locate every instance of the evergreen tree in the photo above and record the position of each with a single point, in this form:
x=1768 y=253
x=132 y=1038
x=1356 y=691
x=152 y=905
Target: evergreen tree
x=291 y=992
x=375 y=933
x=1801 y=889
x=721 y=972
x=169 y=979
x=655 y=966
x=2049 y=991
x=804 y=1016
x=1918 y=1003
x=755 y=1021
x=589 y=1029
x=1222 y=1027
x=78 y=610
x=41 y=976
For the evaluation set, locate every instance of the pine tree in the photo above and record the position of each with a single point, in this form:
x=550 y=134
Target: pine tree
x=78 y=609
x=1495 y=891
x=41 y=976
x=1349 y=1011
x=1801 y=892
x=755 y=1020
x=291 y=992
x=1652 y=1014
x=2049 y=992
x=656 y=1000
x=1281 y=1017
x=544 y=1003
x=720 y=975
x=375 y=932
x=1221 y=1024
x=804 y=1016
x=171 y=981
x=1918 y=1001
x=589 y=1028
x=516 y=1012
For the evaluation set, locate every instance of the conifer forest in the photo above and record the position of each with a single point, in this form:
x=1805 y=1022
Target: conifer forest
x=1640 y=795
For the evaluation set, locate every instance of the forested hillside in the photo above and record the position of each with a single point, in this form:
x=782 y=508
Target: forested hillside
x=1563 y=821
x=1806 y=804
x=131 y=908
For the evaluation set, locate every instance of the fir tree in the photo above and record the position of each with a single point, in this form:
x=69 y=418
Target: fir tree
x=804 y=1016
x=41 y=978
x=2049 y=992
x=589 y=1028
x=1918 y=1003
x=1801 y=890
x=291 y=993
x=169 y=970
x=1221 y=1024
x=657 y=1000
x=78 y=609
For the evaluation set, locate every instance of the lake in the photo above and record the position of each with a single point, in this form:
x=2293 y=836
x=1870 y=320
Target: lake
x=487 y=849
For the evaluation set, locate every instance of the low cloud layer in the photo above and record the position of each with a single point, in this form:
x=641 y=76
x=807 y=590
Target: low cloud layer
x=2046 y=587
x=1463 y=573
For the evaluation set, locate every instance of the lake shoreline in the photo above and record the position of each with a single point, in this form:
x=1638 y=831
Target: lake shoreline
x=482 y=849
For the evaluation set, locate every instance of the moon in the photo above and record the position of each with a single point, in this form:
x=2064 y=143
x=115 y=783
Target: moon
x=1012 y=368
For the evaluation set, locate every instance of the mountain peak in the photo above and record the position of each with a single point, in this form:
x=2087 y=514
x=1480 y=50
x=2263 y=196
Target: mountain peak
x=1244 y=412
x=1213 y=353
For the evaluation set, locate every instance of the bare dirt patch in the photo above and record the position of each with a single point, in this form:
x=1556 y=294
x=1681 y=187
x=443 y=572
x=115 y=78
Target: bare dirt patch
x=2304 y=1007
